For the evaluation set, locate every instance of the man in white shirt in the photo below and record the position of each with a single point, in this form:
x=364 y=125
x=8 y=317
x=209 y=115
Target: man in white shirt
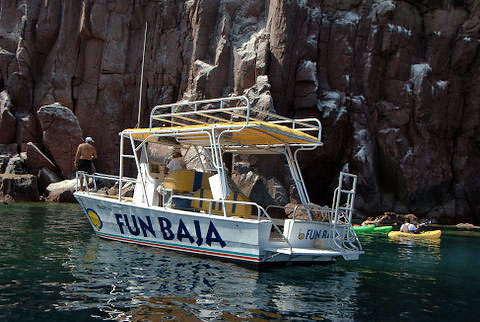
x=176 y=163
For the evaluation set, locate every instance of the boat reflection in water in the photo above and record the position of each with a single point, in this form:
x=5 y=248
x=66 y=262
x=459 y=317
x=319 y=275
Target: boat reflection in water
x=124 y=281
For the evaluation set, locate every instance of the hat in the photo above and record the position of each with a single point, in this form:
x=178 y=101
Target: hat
x=89 y=139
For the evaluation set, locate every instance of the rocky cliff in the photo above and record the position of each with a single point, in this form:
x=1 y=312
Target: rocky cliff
x=393 y=82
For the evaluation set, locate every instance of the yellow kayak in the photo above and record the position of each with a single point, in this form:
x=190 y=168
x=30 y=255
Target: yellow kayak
x=425 y=234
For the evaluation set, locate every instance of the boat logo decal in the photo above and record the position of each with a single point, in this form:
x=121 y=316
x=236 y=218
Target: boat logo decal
x=95 y=219
x=313 y=234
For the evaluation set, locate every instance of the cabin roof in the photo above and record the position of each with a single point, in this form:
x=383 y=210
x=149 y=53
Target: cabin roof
x=232 y=134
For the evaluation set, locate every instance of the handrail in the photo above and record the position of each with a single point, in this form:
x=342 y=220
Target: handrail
x=303 y=125
x=260 y=210
x=314 y=208
x=346 y=210
x=290 y=123
x=95 y=175
x=195 y=105
x=282 y=119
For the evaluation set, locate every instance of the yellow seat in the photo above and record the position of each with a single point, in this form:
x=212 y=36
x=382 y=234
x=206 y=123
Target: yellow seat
x=233 y=209
x=185 y=180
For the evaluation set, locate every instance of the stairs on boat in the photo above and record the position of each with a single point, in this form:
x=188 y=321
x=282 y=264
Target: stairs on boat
x=344 y=239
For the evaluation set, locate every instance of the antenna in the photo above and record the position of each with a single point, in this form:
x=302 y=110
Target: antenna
x=141 y=77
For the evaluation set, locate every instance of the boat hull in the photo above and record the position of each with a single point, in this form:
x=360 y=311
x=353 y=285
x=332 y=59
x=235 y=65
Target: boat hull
x=231 y=238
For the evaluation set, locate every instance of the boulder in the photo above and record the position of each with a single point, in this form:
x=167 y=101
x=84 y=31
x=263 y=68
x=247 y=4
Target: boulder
x=27 y=130
x=318 y=213
x=61 y=135
x=18 y=187
x=262 y=190
x=262 y=178
x=45 y=178
x=390 y=218
x=464 y=225
x=61 y=191
x=3 y=162
x=127 y=190
x=37 y=160
x=16 y=165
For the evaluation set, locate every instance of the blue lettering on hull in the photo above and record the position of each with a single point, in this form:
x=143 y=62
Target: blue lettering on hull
x=134 y=225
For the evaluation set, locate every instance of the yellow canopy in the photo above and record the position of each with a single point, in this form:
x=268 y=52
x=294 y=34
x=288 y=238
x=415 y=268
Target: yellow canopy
x=254 y=134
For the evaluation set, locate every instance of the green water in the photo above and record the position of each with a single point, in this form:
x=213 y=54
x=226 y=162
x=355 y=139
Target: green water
x=52 y=267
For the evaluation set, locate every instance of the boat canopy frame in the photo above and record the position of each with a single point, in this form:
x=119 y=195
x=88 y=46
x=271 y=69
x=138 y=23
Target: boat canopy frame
x=221 y=125
x=225 y=111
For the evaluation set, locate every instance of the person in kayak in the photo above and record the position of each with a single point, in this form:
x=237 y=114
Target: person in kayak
x=408 y=227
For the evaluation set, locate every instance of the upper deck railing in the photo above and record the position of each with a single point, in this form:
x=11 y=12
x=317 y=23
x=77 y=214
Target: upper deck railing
x=224 y=112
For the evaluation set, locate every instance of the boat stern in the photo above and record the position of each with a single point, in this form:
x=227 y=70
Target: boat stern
x=311 y=241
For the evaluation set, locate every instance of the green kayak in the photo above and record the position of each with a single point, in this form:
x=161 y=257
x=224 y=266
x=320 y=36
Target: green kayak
x=382 y=229
x=364 y=229
x=369 y=229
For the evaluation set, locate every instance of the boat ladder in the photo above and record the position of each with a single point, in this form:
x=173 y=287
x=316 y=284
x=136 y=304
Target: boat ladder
x=343 y=237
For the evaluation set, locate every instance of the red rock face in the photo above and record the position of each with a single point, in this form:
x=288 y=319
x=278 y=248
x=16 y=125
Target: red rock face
x=393 y=82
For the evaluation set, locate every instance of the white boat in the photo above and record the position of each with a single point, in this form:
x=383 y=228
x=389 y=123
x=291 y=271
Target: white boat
x=198 y=211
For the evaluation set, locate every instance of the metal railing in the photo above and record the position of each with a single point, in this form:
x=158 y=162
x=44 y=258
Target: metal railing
x=226 y=112
x=86 y=178
x=261 y=213
x=168 y=200
x=324 y=211
x=260 y=210
x=342 y=208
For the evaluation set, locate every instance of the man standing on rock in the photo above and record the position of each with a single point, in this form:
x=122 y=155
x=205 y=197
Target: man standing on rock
x=86 y=152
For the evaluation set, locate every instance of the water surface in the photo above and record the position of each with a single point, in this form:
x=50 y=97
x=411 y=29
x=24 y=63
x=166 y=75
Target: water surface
x=53 y=267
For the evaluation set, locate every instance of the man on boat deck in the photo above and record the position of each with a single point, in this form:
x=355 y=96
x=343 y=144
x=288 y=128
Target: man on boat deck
x=408 y=227
x=86 y=152
x=176 y=163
